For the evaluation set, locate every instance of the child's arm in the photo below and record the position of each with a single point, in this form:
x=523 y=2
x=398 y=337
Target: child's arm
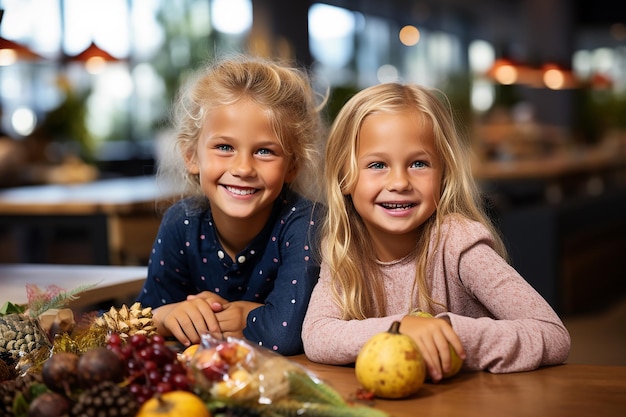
x=277 y=324
x=330 y=339
x=327 y=337
x=504 y=324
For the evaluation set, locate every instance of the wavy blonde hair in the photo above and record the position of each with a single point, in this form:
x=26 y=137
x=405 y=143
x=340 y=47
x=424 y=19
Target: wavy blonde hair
x=293 y=108
x=347 y=249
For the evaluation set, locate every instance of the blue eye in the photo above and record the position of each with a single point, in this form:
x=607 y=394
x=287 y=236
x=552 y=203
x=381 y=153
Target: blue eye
x=376 y=165
x=224 y=148
x=264 y=151
x=419 y=164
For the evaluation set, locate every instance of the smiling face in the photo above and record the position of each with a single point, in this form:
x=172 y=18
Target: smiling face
x=399 y=179
x=240 y=162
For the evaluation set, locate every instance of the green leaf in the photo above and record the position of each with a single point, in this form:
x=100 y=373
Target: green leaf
x=11 y=308
x=38 y=307
x=20 y=406
x=304 y=388
x=21 y=403
x=37 y=388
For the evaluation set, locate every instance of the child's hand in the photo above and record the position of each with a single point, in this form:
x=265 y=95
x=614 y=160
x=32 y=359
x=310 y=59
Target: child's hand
x=233 y=317
x=186 y=320
x=215 y=301
x=432 y=336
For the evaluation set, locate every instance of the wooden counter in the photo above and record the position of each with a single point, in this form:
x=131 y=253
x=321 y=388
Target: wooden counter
x=114 y=284
x=569 y=390
x=120 y=217
x=563 y=164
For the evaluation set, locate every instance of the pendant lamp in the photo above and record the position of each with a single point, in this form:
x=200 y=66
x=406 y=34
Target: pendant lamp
x=93 y=51
x=11 y=52
x=93 y=58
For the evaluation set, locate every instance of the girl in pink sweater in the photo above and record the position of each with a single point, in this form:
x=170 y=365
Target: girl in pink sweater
x=405 y=231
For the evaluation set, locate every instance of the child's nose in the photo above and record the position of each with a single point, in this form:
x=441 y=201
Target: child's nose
x=242 y=166
x=398 y=180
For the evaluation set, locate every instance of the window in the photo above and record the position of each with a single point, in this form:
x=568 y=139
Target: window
x=152 y=46
x=359 y=49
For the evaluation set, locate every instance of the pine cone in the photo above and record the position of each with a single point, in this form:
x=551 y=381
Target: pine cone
x=127 y=321
x=106 y=399
x=20 y=335
x=6 y=371
x=9 y=390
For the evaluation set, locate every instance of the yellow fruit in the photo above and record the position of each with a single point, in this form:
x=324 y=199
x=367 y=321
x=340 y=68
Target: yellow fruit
x=238 y=385
x=456 y=362
x=390 y=364
x=188 y=353
x=174 y=404
x=420 y=313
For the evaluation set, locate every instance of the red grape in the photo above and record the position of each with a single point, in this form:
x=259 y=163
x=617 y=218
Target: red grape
x=157 y=339
x=151 y=366
x=138 y=340
x=114 y=339
x=180 y=381
x=163 y=387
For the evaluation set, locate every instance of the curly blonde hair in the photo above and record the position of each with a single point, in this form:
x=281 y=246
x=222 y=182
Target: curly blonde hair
x=293 y=107
x=347 y=248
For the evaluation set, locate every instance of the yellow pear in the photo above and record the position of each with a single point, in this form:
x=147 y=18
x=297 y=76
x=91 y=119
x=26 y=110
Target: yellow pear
x=390 y=364
x=456 y=363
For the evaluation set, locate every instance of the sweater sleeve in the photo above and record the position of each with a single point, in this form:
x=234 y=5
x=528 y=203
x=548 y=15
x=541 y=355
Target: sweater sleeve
x=329 y=339
x=520 y=331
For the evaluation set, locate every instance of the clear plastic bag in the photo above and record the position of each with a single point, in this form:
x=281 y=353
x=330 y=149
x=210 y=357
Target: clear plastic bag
x=234 y=372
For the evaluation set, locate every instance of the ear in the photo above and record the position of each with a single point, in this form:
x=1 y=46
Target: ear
x=346 y=189
x=191 y=162
x=291 y=173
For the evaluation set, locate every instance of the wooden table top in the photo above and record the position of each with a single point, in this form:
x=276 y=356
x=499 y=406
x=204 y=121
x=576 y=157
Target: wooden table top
x=568 y=390
x=104 y=196
x=110 y=281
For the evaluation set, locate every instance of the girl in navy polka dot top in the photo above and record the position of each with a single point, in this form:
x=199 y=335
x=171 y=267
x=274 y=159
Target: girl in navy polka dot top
x=237 y=254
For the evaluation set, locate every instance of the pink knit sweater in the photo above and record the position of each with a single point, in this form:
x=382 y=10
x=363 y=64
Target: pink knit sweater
x=503 y=323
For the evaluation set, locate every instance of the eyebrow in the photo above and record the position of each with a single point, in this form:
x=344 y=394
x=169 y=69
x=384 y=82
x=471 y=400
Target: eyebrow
x=385 y=154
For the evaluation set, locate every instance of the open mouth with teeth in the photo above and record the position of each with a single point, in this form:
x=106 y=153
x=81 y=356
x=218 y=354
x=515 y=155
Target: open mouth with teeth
x=240 y=191
x=397 y=206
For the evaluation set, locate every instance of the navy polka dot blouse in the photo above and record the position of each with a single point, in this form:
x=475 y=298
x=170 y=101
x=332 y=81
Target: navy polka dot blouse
x=278 y=268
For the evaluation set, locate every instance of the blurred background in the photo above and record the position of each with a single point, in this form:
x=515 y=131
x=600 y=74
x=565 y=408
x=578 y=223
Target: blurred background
x=538 y=88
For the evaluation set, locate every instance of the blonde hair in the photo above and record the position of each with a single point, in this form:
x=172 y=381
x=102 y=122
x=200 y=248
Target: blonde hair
x=292 y=106
x=347 y=249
